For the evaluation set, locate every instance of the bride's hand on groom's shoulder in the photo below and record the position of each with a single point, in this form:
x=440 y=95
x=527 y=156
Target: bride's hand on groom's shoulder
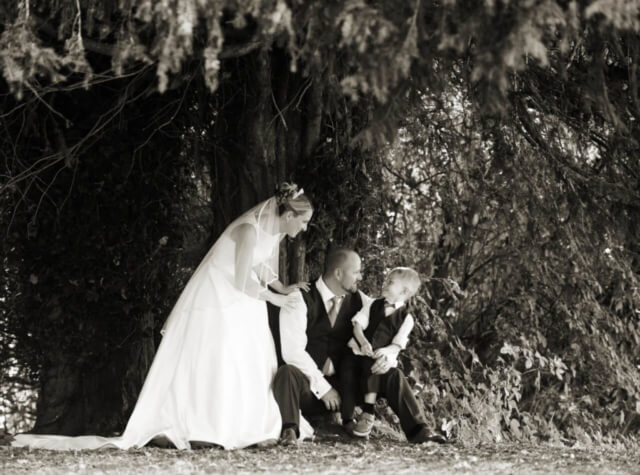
x=290 y=302
x=297 y=286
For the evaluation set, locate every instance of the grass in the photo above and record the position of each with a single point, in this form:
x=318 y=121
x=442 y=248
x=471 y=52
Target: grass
x=333 y=453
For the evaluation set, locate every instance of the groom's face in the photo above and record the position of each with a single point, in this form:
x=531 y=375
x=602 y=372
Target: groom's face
x=351 y=273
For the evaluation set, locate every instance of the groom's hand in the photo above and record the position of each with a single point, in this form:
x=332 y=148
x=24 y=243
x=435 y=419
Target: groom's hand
x=386 y=358
x=331 y=400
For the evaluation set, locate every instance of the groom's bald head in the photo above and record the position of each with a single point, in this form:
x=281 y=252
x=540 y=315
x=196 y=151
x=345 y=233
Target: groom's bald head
x=342 y=269
x=337 y=257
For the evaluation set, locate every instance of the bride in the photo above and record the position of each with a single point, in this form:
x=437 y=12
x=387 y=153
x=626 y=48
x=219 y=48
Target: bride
x=210 y=381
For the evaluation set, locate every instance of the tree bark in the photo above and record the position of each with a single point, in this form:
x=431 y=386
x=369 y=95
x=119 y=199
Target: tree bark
x=270 y=121
x=57 y=398
x=262 y=121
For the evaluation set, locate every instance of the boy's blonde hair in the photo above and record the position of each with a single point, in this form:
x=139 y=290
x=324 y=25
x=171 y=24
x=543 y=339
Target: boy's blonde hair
x=410 y=277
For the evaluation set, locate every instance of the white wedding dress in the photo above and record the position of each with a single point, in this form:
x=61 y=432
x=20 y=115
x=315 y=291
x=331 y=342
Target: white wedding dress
x=210 y=380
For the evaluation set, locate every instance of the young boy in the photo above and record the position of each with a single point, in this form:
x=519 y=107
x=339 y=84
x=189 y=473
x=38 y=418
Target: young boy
x=386 y=322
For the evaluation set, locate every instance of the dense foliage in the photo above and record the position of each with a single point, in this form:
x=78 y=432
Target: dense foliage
x=134 y=131
x=531 y=327
x=92 y=315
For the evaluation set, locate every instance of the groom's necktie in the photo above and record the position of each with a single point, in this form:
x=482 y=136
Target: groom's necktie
x=334 y=309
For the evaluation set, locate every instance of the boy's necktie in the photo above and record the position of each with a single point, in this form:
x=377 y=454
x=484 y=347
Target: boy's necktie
x=389 y=308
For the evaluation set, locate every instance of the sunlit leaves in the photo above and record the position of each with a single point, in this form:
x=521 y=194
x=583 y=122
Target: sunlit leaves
x=24 y=59
x=622 y=14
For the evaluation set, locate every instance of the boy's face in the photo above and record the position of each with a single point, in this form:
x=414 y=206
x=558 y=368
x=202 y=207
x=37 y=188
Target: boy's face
x=395 y=289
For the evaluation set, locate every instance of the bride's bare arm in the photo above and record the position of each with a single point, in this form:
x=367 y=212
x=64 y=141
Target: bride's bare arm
x=245 y=237
x=287 y=289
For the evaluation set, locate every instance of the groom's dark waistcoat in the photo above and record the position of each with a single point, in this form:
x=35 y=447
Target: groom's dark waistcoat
x=324 y=341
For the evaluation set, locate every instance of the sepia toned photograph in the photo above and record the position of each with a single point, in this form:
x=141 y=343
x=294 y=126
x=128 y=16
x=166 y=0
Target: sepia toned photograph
x=336 y=236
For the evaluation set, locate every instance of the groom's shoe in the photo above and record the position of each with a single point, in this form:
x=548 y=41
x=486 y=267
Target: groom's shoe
x=348 y=427
x=427 y=435
x=289 y=437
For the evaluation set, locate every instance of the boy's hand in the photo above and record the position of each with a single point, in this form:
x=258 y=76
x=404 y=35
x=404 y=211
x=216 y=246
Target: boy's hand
x=366 y=349
x=390 y=351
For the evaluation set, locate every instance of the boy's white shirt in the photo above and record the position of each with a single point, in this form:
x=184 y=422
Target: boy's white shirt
x=401 y=338
x=293 y=339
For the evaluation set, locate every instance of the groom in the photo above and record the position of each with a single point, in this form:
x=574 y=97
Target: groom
x=311 y=341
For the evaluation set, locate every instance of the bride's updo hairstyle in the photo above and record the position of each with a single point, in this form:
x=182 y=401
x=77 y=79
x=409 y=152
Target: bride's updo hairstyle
x=291 y=198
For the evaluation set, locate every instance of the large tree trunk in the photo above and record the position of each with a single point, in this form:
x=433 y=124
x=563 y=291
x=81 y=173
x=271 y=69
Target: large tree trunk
x=270 y=120
x=57 y=398
x=243 y=164
x=88 y=311
x=259 y=125
x=75 y=399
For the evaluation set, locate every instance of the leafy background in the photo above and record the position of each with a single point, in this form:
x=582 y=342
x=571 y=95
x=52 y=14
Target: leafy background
x=491 y=145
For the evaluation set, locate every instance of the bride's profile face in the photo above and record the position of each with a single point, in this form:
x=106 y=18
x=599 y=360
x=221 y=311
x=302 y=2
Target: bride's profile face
x=294 y=224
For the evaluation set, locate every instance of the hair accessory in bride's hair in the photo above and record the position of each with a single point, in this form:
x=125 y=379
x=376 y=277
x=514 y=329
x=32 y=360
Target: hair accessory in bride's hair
x=287 y=191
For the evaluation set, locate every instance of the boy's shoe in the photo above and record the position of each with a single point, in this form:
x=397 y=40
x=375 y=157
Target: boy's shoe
x=364 y=425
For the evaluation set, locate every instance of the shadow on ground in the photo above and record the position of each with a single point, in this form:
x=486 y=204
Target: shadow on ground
x=332 y=451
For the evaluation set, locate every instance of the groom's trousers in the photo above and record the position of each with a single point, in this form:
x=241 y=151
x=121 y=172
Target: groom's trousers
x=292 y=393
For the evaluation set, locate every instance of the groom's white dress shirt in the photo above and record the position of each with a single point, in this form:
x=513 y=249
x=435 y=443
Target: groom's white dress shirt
x=293 y=340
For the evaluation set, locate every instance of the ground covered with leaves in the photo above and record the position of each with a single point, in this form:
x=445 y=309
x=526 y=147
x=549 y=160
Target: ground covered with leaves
x=334 y=453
